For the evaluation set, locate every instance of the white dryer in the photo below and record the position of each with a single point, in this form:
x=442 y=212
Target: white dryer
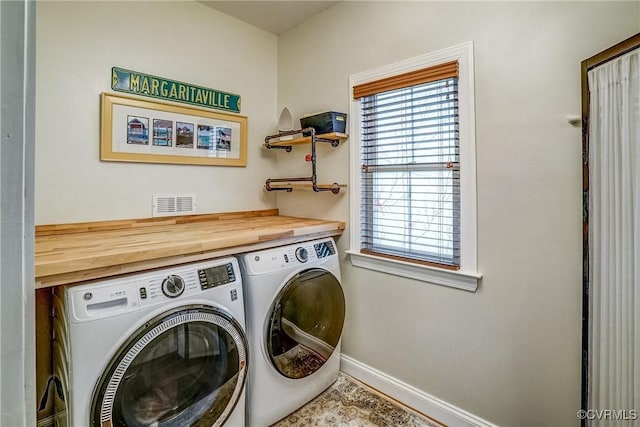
x=295 y=313
x=160 y=349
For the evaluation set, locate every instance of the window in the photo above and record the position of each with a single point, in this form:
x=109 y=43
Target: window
x=413 y=171
x=409 y=179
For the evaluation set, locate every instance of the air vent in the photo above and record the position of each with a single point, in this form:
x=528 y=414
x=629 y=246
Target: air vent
x=174 y=204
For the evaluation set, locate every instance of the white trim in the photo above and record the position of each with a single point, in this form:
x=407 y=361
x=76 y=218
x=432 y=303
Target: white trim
x=17 y=153
x=440 y=276
x=410 y=396
x=462 y=53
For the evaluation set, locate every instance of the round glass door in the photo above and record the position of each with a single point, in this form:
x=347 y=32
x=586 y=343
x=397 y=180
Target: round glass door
x=184 y=368
x=305 y=323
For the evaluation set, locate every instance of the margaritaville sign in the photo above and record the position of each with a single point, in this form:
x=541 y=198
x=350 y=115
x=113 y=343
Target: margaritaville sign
x=158 y=87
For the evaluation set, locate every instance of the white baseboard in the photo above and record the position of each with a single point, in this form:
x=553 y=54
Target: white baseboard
x=435 y=408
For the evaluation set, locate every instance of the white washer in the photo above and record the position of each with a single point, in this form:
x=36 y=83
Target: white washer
x=161 y=349
x=295 y=313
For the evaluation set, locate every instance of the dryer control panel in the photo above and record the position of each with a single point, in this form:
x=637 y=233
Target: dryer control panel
x=324 y=249
x=304 y=253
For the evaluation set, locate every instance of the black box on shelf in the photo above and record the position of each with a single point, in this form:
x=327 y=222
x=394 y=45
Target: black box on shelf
x=327 y=122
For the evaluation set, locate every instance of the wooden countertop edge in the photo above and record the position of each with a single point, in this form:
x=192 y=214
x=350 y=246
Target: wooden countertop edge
x=68 y=257
x=68 y=253
x=135 y=267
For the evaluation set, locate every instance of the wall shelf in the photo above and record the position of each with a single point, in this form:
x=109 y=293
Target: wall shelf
x=290 y=186
x=298 y=138
x=333 y=138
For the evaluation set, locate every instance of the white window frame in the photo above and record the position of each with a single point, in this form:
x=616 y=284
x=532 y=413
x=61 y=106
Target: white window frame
x=467 y=277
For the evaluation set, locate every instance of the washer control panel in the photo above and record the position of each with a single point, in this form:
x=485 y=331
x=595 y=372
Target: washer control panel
x=216 y=276
x=106 y=298
x=172 y=286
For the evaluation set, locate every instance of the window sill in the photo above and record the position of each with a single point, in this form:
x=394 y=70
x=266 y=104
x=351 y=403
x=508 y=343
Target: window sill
x=455 y=279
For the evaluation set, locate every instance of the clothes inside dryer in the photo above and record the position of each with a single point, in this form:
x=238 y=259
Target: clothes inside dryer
x=183 y=371
x=306 y=323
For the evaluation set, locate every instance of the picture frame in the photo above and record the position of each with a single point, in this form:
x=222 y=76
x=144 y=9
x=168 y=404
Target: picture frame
x=138 y=130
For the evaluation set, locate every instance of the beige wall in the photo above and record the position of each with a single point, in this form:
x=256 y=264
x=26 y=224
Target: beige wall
x=78 y=43
x=509 y=353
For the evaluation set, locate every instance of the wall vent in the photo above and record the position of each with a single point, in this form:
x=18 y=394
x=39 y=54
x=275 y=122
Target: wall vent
x=174 y=204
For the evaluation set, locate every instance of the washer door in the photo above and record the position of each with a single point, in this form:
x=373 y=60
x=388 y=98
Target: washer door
x=186 y=367
x=305 y=323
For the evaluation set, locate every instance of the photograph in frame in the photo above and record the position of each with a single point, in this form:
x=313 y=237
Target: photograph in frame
x=162 y=133
x=205 y=137
x=137 y=130
x=184 y=135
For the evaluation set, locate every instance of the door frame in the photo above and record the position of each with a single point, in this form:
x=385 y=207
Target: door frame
x=603 y=57
x=17 y=163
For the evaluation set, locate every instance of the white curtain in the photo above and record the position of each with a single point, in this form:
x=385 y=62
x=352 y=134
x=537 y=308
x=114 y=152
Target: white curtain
x=614 y=239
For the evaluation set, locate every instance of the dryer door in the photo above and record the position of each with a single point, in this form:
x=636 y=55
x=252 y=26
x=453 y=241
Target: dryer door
x=186 y=367
x=305 y=323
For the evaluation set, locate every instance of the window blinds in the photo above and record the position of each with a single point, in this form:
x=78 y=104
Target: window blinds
x=410 y=178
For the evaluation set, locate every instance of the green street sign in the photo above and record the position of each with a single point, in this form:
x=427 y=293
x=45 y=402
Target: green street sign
x=156 y=87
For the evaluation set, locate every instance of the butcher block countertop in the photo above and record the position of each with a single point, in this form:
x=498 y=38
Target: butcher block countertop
x=70 y=253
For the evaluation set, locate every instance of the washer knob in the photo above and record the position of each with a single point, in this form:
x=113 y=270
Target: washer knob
x=302 y=254
x=173 y=286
